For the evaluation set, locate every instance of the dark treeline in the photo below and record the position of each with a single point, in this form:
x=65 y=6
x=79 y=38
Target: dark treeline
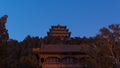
x=103 y=50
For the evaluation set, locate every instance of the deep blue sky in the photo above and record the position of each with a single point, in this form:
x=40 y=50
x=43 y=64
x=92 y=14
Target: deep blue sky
x=35 y=17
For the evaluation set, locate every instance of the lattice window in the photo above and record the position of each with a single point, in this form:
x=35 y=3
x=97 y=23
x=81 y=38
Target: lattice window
x=52 y=60
x=69 y=60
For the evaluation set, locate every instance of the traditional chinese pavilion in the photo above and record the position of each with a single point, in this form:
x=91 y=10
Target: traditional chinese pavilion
x=59 y=31
x=59 y=55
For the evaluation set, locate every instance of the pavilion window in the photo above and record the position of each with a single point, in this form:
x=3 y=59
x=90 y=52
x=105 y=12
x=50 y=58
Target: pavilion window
x=53 y=60
x=69 y=60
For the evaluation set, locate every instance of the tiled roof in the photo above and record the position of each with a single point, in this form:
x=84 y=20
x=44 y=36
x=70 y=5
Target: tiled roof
x=60 y=48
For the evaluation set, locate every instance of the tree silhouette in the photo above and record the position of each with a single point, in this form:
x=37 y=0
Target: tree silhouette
x=3 y=31
x=111 y=40
x=3 y=41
